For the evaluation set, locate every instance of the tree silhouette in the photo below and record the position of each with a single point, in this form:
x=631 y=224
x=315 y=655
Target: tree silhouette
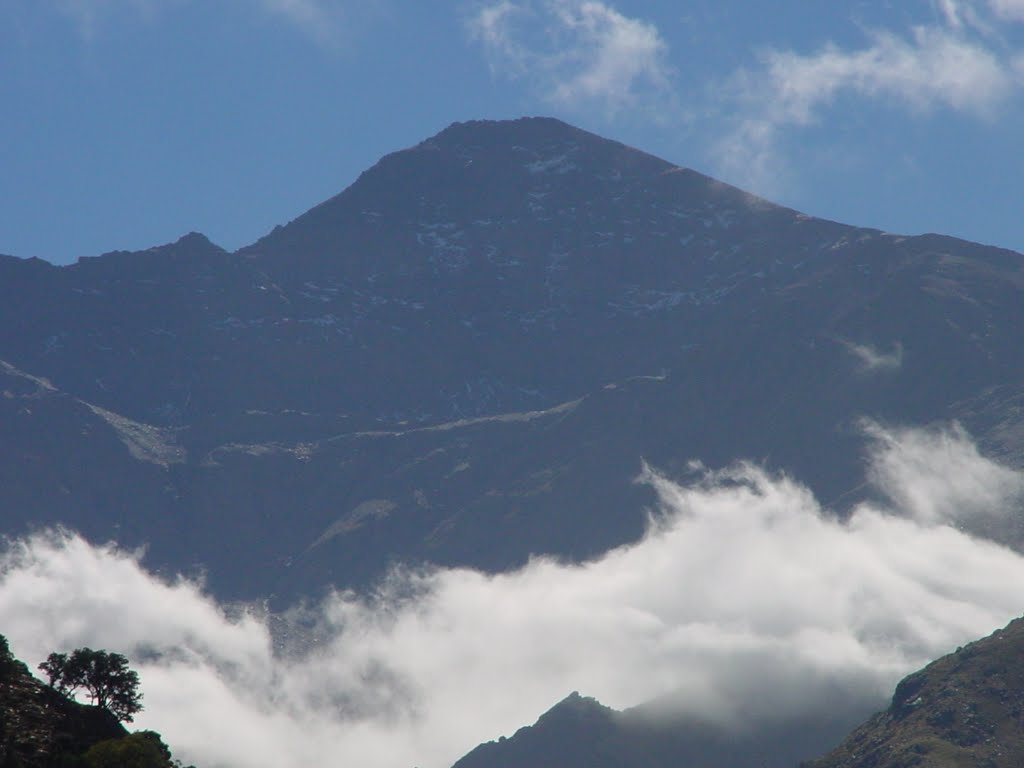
x=104 y=676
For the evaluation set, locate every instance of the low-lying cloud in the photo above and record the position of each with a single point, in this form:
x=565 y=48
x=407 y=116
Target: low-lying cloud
x=745 y=595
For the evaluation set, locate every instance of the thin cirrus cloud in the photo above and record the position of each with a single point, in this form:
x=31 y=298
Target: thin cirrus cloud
x=577 y=53
x=747 y=601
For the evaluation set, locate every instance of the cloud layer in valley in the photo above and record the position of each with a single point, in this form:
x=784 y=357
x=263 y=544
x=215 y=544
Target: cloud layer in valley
x=745 y=595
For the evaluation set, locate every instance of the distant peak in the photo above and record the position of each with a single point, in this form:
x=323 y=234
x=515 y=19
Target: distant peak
x=189 y=246
x=194 y=238
x=192 y=243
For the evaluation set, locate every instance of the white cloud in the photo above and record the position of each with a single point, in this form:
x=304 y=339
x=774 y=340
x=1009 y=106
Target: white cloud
x=872 y=361
x=939 y=477
x=492 y=26
x=745 y=595
x=934 y=67
x=1010 y=10
x=951 y=12
x=577 y=52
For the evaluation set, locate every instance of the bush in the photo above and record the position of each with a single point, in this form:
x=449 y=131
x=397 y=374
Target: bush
x=143 y=749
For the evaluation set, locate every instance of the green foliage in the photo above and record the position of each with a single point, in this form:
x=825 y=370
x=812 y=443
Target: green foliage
x=104 y=676
x=143 y=749
x=55 y=667
x=7 y=660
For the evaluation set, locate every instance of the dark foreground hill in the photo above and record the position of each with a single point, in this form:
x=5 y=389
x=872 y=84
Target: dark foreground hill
x=464 y=357
x=41 y=728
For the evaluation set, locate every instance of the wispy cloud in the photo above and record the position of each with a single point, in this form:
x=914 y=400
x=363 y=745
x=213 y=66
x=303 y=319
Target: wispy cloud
x=1011 y=10
x=938 y=476
x=871 y=360
x=955 y=65
x=576 y=52
x=746 y=597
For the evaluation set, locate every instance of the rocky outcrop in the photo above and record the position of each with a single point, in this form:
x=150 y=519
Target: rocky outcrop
x=963 y=711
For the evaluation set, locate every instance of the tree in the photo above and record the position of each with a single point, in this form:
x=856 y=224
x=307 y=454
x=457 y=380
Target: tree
x=104 y=676
x=55 y=667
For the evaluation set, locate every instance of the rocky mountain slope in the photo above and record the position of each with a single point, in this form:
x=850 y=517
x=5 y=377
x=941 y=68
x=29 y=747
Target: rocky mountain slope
x=962 y=711
x=464 y=357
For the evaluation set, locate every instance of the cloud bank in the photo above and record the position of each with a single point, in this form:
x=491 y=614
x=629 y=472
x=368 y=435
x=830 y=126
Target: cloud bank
x=575 y=52
x=746 y=597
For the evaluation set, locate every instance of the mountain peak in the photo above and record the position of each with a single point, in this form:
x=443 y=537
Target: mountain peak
x=195 y=240
x=482 y=170
x=505 y=132
x=534 y=140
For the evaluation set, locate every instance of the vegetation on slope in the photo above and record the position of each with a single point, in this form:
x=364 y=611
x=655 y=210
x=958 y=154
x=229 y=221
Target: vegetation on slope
x=963 y=711
x=42 y=727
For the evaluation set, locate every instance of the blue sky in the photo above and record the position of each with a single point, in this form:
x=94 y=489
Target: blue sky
x=127 y=123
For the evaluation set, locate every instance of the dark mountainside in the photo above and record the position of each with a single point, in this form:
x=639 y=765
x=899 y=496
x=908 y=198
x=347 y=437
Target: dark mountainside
x=962 y=711
x=579 y=732
x=464 y=357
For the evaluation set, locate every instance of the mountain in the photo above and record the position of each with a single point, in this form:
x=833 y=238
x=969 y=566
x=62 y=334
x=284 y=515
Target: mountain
x=465 y=357
x=963 y=710
x=579 y=732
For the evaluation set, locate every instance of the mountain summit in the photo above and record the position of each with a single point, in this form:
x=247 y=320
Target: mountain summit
x=465 y=357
